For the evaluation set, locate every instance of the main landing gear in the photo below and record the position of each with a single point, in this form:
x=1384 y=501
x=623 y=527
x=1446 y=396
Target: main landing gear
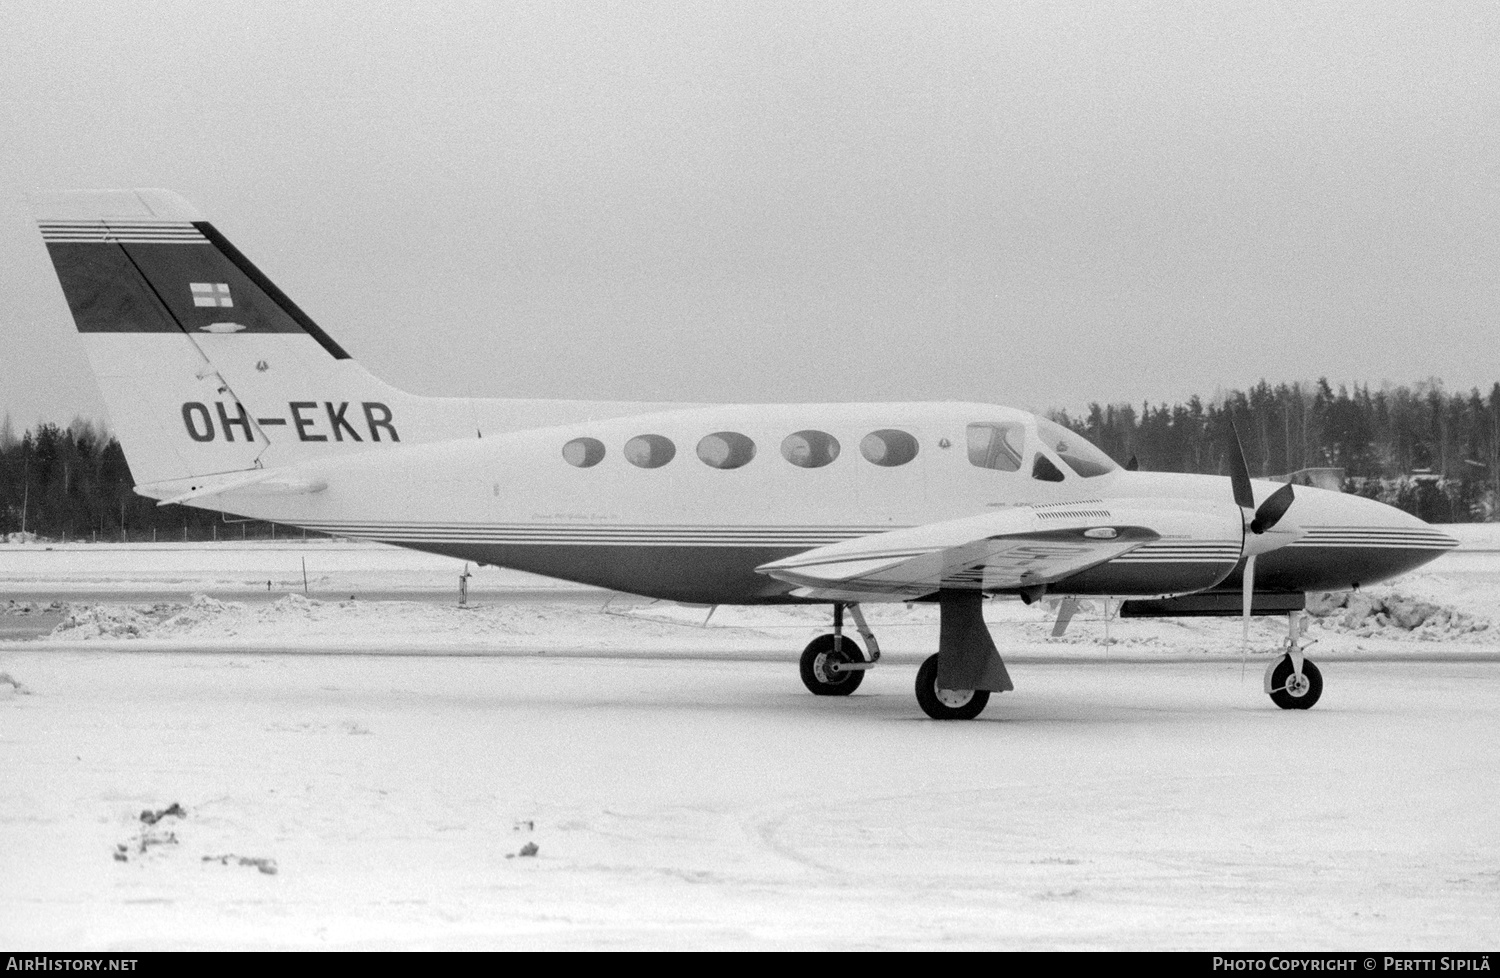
x=1292 y=681
x=954 y=684
x=947 y=704
x=834 y=665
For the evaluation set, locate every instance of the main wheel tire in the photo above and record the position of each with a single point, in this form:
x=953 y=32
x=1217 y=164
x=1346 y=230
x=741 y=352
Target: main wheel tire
x=1291 y=695
x=947 y=704
x=816 y=659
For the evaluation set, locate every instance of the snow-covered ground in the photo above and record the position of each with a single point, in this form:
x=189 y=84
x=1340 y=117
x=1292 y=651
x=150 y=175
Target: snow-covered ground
x=370 y=773
x=186 y=596
x=703 y=803
x=331 y=567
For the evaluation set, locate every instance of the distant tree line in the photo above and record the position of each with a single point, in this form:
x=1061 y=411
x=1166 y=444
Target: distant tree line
x=73 y=484
x=1419 y=448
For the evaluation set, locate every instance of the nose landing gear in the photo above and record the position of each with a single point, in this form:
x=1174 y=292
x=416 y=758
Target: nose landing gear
x=1292 y=681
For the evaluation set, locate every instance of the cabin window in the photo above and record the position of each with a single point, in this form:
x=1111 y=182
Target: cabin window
x=810 y=449
x=649 y=451
x=584 y=452
x=1043 y=469
x=726 y=450
x=1075 y=450
x=997 y=446
x=888 y=447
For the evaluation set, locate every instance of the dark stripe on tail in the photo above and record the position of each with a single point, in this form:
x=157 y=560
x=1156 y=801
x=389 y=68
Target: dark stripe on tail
x=106 y=292
x=269 y=288
x=131 y=282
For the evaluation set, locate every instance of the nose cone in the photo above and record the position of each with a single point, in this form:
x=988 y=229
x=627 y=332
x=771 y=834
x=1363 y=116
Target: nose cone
x=1350 y=541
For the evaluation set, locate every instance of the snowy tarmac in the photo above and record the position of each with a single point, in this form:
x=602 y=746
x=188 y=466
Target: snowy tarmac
x=696 y=803
x=369 y=774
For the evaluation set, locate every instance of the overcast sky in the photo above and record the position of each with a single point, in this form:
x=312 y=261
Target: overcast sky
x=1033 y=204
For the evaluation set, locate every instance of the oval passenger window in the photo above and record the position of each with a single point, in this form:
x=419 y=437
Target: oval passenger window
x=888 y=447
x=726 y=450
x=649 y=451
x=584 y=452
x=810 y=449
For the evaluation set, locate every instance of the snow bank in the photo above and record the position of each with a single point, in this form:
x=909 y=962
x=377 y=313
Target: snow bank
x=312 y=624
x=1372 y=621
x=109 y=621
x=30 y=607
x=1394 y=613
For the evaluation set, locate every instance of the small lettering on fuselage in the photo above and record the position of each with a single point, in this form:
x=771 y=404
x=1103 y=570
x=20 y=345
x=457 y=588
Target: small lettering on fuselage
x=312 y=420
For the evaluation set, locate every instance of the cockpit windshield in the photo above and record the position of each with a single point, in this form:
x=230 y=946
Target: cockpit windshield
x=1080 y=456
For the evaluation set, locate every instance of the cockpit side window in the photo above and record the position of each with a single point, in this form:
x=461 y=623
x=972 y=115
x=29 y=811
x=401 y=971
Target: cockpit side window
x=1075 y=451
x=997 y=446
x=1042 y=468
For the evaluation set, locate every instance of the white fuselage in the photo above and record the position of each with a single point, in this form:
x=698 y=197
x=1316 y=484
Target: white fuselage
x=689 y=531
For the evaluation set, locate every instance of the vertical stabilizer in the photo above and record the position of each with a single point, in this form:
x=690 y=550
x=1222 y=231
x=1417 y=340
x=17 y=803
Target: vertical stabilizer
x=205 y=365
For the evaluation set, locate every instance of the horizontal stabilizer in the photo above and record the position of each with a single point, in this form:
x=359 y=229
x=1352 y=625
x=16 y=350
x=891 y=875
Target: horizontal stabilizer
x=266 y=482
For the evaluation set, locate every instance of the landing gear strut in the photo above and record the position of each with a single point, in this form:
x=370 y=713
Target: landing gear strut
x=834 y=665
x=1292 y=681
x=956 y=683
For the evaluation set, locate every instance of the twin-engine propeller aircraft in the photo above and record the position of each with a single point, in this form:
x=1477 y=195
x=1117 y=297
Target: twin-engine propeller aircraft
x=226 y=396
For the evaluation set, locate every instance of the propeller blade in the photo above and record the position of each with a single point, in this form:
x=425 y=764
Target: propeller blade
x=1248 y=597
x=1239 y=473
x=1272 y=510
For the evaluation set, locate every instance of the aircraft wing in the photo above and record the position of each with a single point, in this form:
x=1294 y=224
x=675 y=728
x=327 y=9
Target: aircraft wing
x=1007 y=550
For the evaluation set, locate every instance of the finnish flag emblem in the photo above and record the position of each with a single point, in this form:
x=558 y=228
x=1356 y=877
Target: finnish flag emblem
x=211 y=294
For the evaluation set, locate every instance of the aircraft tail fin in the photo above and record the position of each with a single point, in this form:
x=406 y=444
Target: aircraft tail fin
x=205 y=365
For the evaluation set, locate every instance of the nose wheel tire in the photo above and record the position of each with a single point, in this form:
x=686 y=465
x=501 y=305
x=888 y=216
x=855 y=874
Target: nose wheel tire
x=947 y=704
x=1291 y=692
x=819 y=678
